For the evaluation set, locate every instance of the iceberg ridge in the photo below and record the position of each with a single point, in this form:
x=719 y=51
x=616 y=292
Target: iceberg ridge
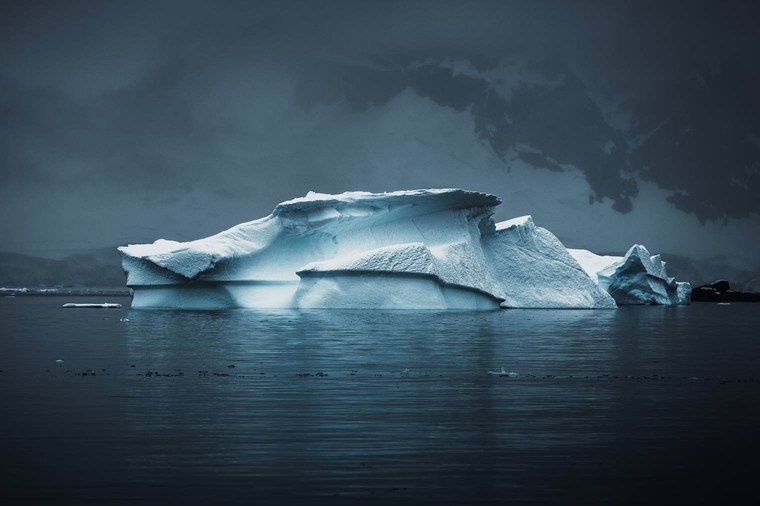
x=417 y=249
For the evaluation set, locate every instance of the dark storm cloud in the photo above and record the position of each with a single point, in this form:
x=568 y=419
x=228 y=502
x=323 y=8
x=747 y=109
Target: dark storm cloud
x=686 y=74
x=546 y=119
x=158 y=99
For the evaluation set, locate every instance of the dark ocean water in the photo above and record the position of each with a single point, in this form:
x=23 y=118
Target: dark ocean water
x=638 y=405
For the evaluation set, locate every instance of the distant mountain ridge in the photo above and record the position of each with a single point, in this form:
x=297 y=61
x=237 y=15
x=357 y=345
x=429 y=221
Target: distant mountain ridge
x=99 y=267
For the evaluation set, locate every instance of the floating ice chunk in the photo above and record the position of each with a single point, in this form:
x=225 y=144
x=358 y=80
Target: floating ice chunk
x=503 y=373
x=105 y=305
x=636 y=278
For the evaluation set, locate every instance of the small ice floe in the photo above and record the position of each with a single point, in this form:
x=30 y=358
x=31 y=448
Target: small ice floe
x=13 y=290
x=59 y=362
x=123 y=319
x=724 y=303
x=105 y=305
x=503 y=373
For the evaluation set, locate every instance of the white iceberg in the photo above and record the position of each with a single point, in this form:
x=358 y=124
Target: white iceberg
x=420 y=249
x=636 y=278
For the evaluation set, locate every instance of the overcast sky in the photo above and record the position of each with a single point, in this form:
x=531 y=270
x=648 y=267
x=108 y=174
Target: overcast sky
x=610 y=122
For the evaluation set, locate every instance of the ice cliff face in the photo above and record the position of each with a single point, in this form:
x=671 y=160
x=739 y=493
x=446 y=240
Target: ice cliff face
x=421 y=249
x=535 y=270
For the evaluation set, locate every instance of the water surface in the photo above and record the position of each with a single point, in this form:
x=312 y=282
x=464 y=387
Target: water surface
x=341 y=407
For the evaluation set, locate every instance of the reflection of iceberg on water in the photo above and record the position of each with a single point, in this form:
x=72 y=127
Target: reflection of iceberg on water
x=420 y=249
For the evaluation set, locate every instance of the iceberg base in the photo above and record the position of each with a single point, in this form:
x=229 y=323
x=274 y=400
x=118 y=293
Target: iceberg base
x=387 y=291
x=322 y=290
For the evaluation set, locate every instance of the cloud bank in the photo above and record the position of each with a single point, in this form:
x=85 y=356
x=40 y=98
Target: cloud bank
x=124 y=122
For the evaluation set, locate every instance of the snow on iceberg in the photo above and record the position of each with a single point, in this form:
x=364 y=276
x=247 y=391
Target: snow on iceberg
x=636 y=278
x=418 y=249
x=535 y=270
x=405 y=276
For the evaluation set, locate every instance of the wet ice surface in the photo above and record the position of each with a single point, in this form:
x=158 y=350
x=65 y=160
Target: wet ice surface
x=336 y=407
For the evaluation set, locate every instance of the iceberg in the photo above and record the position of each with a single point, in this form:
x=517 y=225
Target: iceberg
x=416 y=249
x=636 y=278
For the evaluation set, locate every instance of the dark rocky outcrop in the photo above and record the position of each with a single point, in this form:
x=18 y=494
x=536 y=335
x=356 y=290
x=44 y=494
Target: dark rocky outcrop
x=720 y=291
